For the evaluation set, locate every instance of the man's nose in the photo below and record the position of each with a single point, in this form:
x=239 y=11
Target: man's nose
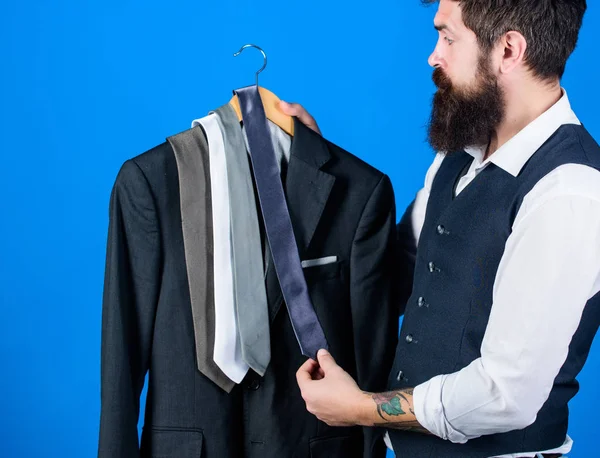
x=434 y=59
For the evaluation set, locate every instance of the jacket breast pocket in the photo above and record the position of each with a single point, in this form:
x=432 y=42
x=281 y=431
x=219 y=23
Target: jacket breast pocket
x=172 y=443
x=322 y=272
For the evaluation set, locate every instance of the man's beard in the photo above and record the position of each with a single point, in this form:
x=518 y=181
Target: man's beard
x=462 y=117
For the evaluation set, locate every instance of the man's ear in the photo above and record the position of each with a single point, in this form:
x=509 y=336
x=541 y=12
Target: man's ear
x=513 y=46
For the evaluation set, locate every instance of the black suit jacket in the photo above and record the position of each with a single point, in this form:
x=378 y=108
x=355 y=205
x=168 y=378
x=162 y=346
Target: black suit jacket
x=339 y=206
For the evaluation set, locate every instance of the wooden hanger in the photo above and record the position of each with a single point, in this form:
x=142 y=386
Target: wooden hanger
x=270 y=101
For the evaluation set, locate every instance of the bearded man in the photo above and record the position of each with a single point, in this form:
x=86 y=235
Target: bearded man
x=504 y=304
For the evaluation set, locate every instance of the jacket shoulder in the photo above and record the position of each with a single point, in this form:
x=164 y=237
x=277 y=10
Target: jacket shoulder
x=154 y=157
x=155 y=166
x=353 y=165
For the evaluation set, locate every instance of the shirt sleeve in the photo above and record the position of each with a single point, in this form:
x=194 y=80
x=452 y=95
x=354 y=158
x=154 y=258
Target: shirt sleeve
x=548 y=272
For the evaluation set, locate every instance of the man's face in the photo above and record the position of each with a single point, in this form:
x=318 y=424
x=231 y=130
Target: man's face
x=469 y=104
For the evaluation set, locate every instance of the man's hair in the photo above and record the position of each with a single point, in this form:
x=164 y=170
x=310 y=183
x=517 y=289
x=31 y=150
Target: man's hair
x=550 y=27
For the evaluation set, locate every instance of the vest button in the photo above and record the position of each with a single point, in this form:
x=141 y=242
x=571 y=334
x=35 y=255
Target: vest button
x=254 y=384
x=432 y=267
x=421 y=302
x=441 y=230
x=409 y=338
x=400 y=376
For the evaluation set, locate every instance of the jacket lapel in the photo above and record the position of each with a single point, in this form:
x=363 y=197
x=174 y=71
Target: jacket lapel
x=307 y=189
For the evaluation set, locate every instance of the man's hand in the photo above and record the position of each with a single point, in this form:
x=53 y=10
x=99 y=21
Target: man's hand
x=295 y=109
x=330 y=393
x=335 y=398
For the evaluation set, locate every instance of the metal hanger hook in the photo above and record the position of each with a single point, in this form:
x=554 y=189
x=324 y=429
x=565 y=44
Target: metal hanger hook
x=264 y=57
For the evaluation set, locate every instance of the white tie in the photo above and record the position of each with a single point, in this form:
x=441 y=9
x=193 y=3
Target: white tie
x=228 y=352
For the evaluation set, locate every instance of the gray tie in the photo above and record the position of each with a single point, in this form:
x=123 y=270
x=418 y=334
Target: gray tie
x=250 y=297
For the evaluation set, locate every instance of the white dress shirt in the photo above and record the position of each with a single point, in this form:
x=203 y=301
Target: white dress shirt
x=228 y=348
x=549 y=270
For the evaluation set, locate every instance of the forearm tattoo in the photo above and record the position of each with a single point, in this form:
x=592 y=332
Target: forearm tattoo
x=396 y=404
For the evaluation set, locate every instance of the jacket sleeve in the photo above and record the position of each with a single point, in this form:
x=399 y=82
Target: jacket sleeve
x=373 y=297
x=131 y=287
x=406 y=253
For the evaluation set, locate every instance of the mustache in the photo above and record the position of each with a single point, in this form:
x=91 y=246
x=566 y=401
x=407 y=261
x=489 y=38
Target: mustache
x=440 y=79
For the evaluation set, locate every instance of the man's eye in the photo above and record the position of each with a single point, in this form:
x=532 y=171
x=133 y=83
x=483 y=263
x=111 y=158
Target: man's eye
x=449 y=40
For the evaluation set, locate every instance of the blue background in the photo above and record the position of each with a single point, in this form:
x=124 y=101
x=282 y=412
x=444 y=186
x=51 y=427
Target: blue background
x=86 y=85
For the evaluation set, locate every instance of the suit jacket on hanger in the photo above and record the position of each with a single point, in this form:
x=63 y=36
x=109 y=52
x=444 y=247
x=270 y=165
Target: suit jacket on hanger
x=339 y=206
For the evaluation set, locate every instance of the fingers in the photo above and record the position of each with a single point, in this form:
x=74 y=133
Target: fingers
x=305 y=373
x=319 y=374
x=295 y=109
x=326 y=361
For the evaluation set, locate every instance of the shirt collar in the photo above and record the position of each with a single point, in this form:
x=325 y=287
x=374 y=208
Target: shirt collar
x=512 y=156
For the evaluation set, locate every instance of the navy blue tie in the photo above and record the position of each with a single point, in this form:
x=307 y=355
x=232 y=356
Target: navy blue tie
x=278 y=224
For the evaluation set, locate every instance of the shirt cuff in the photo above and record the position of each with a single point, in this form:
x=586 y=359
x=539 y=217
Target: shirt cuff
x=429 y=410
